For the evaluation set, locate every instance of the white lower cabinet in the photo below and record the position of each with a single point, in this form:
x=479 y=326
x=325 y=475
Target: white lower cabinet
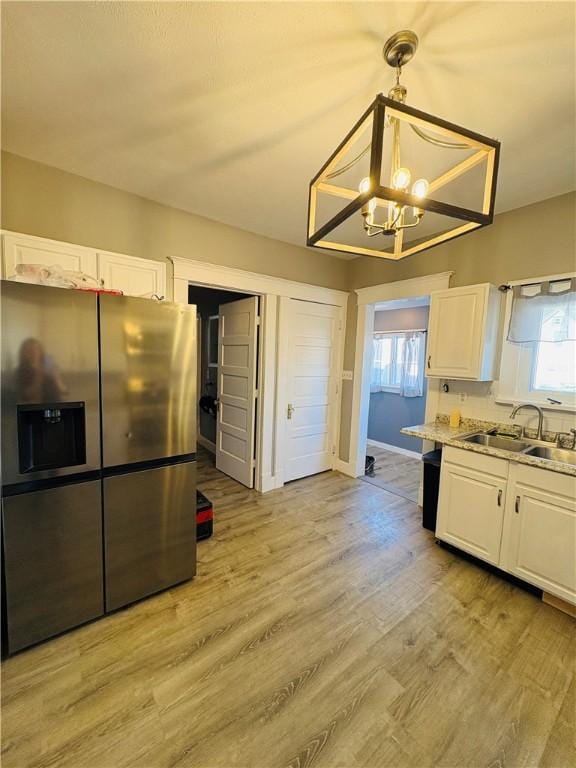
x=471 y=503
x=539 y=543
x=519 y=518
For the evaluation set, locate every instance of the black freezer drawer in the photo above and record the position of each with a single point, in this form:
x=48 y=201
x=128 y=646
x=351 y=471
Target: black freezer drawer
x=149 y=531
x=52 y=560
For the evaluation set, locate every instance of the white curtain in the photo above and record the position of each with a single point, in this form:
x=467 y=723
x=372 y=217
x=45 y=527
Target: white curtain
x=543 y=312
x=398 y=363
x=412 y=370
x=381 y=359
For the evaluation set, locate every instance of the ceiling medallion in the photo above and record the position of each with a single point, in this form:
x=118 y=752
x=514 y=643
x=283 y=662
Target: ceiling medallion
x=416 y=181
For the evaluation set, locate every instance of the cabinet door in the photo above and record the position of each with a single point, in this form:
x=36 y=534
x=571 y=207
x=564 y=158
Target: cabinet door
x=540 y=546
x=26 y=249
x=471 y=511
x=456 y=332
x=133 y=276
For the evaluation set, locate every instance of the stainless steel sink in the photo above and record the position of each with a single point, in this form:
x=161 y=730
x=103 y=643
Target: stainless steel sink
x=552 y=454
x=496 y=441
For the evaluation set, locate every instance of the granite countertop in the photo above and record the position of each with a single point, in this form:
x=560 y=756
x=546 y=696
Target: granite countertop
x=442 y=432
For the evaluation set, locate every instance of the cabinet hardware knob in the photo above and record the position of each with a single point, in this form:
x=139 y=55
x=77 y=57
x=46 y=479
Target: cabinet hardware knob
x=290 y=410
x=500 y=497
x=517 y=505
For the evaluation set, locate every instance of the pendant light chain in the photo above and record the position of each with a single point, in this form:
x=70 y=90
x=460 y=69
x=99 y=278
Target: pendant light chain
x=398 y=93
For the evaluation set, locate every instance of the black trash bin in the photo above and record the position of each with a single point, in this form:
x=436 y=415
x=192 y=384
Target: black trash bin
x=204 y=517
x=432 y=461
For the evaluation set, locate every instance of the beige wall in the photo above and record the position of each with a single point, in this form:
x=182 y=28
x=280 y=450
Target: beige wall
x=528 y=242
x=44 y=201
x=40 y=200
x=537 y=240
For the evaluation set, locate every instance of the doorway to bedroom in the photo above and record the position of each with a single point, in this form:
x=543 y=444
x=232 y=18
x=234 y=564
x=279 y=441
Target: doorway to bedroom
x=398 y=391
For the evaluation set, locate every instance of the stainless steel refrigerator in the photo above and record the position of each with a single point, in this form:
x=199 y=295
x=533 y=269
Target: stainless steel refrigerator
x=98 y=455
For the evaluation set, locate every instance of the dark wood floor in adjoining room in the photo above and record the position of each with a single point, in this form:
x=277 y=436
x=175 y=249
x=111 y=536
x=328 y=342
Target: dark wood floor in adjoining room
x=325 y=628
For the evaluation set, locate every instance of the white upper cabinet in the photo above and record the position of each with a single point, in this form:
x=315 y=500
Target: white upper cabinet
x=26 y=249
x=462 y=333
x=539 y=542
x=132 y=275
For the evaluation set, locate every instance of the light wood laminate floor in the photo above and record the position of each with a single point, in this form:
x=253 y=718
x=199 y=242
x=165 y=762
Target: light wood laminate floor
x=325 y=628
x=395 y=472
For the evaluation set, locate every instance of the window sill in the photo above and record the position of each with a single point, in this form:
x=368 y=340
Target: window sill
x=544 y=404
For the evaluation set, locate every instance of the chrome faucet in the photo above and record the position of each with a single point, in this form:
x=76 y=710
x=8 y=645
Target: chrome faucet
x=540 y=416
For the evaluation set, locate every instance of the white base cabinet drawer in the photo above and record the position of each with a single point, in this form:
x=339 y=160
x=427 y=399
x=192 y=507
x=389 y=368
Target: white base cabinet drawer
x=478 y=462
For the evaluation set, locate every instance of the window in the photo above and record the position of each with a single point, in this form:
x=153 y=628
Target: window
x=397 y=363
x=554 y=367
x=539 y=349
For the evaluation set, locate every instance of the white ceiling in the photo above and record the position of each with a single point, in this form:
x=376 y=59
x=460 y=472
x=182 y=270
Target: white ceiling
x=227 y=109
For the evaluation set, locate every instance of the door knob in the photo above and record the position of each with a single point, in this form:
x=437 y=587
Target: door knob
x=290 y=410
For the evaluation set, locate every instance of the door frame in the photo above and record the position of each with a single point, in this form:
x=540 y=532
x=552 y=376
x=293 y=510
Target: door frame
x=366 y=299
x=270 y=436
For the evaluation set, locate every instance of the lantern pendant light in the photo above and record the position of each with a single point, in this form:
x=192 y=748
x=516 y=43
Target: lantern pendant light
x=417 y=180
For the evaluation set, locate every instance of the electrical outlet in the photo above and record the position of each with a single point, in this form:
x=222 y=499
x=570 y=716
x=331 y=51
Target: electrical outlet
x=347 y=375
x=462 y=397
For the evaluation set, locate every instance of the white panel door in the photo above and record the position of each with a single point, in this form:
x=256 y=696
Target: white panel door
x=132 y=275
x=26 y=249
x=311 y=387
x=471 y=511
x=237 y=359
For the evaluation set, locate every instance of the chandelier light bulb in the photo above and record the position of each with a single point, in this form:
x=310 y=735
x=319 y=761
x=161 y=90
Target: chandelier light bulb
x=420 y=188
x=364 y=185
x=401 y=178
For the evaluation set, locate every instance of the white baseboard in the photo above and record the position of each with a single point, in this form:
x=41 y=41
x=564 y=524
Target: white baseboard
x=205 y=443
x=346 y=467
x=394 y=449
